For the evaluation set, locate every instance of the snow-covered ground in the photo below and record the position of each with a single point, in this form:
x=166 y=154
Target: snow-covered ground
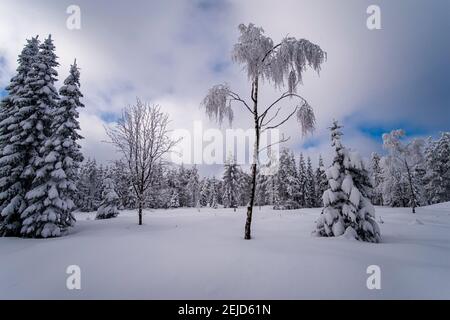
x=186 y=254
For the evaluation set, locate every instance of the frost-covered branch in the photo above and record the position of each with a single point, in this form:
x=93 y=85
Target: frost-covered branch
x=307 y=119
x=218 y=101
x=282 y=140
x=279 y=63
x=271 y=119
x=282 y=122
x=305 y=114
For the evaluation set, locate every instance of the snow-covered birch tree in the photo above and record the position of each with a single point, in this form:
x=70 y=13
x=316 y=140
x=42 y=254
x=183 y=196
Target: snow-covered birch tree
x=142 y=135
x=279 y=64
x=405 y=157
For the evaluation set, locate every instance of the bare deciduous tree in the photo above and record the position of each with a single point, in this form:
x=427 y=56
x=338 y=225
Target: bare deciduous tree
x=142 y=136
x=278 y=64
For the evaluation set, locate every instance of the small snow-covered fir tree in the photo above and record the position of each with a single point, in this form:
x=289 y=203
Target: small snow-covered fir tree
x=310 y=195
x=193 y=187
x=205 y=192
x=214 y=194
x=163 y=184
x=288 y=184
x=244 y=189
x=182 y=180
x=108 y=208
x=261 y=190
x=13 y=153
x=231 y=184
x=41 y=218
x=89 y=186
x=348 y=210
x=321 y=182
x=174 y=200
x=302 y=181
x=272 y=189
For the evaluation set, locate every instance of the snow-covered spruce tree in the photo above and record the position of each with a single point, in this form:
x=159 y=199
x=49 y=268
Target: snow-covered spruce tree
x=54 y=153
x=377 y=180
x=34 y=130
x=244 y=188
x=214 y=194
x=108 y=208
x=193 y=187
x=272 y=187
x=12 y=152
x=205 y=192
x=54 y=188
x=122 y=181
x=437 y=178
x=174 y=200
x=310 y=195
x=163 y=185
x=321 y=182
x=65 y=124
x=261 y=190
x=348 y=210
x=231 y=183
x=280 y=65
x=285 y=172
x=219 y=188
x=182 y=180
x=302 y=181
x=89 y=186
x=288 y=186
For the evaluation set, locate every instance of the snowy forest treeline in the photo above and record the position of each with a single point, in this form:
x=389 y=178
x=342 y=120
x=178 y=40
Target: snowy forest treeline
x=297 y=184
x=178 y=186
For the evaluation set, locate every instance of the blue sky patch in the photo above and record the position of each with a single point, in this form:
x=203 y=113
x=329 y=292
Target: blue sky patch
x=109 y=117
x=376 y=131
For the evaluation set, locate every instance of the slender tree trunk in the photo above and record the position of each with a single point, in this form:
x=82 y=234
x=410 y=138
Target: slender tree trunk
x=411 y=188
x=248 y=222
x=140 y=209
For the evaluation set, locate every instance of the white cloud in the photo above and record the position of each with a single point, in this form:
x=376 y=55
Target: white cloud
x=165 y=52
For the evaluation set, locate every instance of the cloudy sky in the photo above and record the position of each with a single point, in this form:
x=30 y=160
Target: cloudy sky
x=172 y=52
